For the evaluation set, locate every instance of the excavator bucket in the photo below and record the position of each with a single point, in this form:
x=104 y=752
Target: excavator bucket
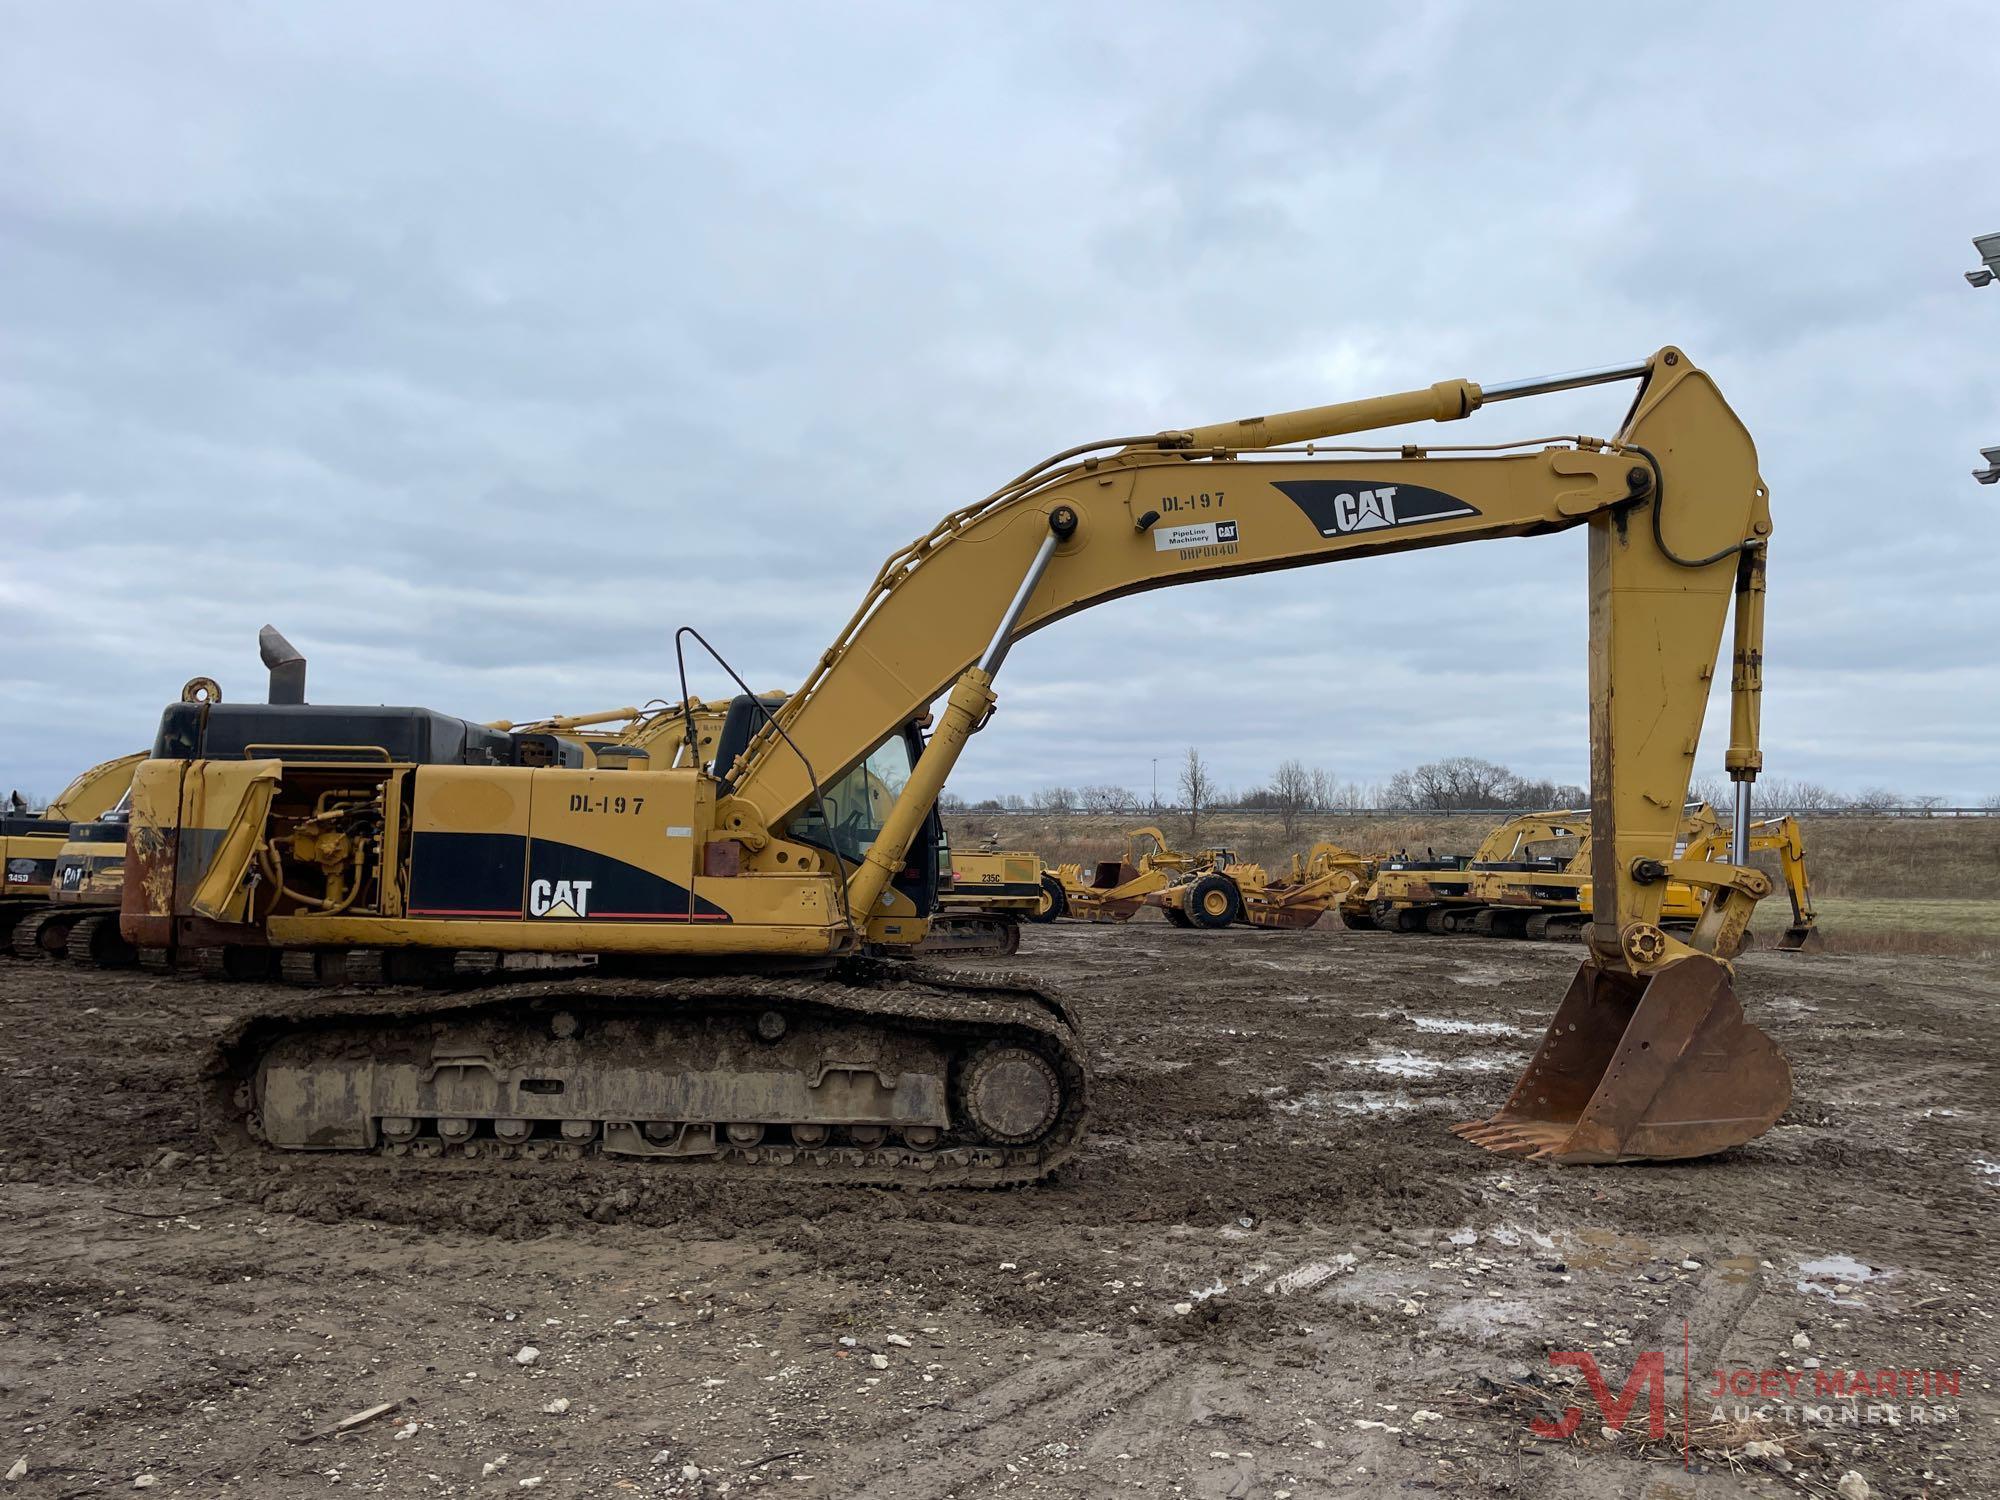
x=1634 y=1068
x=1801 y=939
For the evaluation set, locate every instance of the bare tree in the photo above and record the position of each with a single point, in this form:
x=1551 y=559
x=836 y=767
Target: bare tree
x=1461 y=781
x=1054 y=799
x=1106 y=799
x=1198 y=790
x=1779 y=794
x=1295 y=791
x=1716 y=791
x=1324 y=789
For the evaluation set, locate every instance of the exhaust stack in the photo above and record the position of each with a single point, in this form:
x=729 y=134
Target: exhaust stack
x=288 y=667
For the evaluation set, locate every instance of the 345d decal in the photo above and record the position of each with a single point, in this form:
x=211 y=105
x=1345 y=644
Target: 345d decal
x=1340 y=507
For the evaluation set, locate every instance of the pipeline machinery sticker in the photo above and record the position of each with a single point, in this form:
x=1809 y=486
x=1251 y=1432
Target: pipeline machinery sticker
x=1203 y=539
x=1340 y=507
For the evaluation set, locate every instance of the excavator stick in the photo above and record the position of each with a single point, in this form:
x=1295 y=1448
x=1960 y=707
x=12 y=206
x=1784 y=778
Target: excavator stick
x=1636 y=1067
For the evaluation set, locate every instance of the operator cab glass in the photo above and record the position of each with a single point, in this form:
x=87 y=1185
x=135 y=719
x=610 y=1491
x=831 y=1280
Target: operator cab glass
x=858 y=804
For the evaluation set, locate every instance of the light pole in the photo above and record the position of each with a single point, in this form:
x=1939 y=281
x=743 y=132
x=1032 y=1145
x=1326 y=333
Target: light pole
x=1991 y=473
x=1156 y=759
x=1988 y=246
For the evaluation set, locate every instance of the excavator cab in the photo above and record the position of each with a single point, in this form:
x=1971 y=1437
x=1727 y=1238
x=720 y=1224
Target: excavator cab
x=848 y=816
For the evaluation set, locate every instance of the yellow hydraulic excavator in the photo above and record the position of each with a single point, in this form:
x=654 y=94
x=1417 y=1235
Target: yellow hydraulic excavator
x=732 y=1019
x=1444 y=894
x=32 y=925
x=1519 y=882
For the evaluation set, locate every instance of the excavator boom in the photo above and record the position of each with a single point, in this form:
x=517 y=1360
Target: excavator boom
x=1649 y=1055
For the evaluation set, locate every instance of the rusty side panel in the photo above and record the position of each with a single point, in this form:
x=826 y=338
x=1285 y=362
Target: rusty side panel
x=152 y=854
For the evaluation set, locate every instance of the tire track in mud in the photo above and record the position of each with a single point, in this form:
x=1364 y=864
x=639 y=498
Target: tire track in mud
x=1058 y=1400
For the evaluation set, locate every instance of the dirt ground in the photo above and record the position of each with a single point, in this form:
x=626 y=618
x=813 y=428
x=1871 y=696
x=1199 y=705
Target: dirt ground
x=1271 y=1273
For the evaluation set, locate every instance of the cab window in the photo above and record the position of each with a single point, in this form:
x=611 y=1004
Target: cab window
x=858 y=803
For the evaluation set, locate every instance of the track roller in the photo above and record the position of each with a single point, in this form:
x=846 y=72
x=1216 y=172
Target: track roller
x=96 y=940
x=44 y=934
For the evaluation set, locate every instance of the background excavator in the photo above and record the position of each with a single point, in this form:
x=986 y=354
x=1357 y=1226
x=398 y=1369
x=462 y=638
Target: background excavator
x=31 y=925
x=733 y=1018
x=1524 y=876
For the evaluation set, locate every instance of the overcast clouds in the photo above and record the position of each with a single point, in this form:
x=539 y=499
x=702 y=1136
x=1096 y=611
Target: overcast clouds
x=479 y=346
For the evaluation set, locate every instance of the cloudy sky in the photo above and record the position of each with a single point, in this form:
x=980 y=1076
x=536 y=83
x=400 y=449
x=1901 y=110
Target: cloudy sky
x=479 y=346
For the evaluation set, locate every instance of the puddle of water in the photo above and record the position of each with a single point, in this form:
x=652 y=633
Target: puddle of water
x=1403 y=1063
x=1737 y=1270
x=1507 y=1234
x=1353 y=1102
x=1478 y=981
x=1826 y=1276
x=1990 y=1170
x=1603 y=1249
x=1463 y=1237
x=1487 y=1317
x=1464 y=1028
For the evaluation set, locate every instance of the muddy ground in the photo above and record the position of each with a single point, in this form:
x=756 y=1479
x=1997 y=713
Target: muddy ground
x=1272 y=1272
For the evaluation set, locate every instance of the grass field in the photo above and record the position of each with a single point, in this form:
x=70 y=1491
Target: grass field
x=1909 y=924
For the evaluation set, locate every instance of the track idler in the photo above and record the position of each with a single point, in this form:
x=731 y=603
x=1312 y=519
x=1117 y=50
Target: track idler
x=1637 y=1068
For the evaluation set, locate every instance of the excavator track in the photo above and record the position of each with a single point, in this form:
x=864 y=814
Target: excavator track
x=878 y=1074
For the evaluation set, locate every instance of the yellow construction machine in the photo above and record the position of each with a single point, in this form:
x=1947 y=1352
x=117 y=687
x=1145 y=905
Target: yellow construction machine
x=1780 y=836
x=88 y=884
x=32 y=925
x=1114 y=890
x=1207 y=892
x=1319 y=881
x=733 y=1017
x=1450 y=893
x=991 y=884
x=1220 y=889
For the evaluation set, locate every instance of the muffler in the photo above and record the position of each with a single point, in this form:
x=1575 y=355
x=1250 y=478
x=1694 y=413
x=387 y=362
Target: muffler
x=1638 y=1068
x=287 y=664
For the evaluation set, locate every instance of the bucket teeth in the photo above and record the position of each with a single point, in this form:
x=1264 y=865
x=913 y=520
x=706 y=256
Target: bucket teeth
x=1514 y=1137
x=1642 y=1067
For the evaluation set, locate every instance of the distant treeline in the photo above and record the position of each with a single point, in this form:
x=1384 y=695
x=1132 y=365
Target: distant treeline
x=1460 y=783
